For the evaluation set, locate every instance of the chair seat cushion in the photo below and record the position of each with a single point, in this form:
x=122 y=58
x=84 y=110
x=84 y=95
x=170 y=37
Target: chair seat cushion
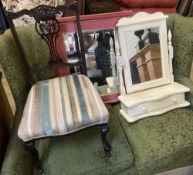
x=61 y=106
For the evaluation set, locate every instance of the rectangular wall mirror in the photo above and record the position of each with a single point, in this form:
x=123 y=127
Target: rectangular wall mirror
x=98 y=34
x=97 y=53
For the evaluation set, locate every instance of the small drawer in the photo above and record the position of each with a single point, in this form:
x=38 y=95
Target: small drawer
x=150 y=106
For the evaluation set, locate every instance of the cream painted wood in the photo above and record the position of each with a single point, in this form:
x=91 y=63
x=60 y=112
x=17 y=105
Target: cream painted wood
x=153 y=101
x=142 y=21
x=171 y=54
x=151 y=97
x=120 y=65
x=112 y=81
x=113 y=84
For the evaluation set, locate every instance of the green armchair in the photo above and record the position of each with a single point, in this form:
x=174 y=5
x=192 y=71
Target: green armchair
x=146 y=147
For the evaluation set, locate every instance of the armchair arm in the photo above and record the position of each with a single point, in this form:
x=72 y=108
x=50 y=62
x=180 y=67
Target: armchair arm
x=188 y=83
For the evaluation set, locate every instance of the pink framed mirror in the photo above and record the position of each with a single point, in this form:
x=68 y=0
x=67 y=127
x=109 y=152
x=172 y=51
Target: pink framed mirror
x=98 y=34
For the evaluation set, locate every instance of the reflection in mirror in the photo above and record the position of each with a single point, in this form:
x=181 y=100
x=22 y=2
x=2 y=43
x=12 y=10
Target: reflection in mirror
x=99 y=61
x=144 y=55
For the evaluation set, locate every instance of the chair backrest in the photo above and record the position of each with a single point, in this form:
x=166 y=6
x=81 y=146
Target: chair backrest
x=48 y=27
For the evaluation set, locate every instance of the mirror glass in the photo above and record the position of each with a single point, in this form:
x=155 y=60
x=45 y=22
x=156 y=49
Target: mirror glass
x=144 y=55
x=101 y=68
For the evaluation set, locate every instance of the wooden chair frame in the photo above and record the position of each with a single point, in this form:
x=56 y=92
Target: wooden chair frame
x=47 y=26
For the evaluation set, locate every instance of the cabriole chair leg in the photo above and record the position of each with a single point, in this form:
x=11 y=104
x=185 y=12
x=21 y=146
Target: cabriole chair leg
x=30 y=146
x=104 y=132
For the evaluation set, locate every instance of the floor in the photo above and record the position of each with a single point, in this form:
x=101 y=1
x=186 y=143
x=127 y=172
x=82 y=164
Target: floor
x=180 y=171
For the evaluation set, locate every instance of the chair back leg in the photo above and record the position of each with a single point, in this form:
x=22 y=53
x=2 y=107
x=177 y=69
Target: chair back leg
x=30 y=146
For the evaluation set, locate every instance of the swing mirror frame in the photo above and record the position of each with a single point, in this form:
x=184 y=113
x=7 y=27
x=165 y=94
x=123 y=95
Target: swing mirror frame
x=130 y=27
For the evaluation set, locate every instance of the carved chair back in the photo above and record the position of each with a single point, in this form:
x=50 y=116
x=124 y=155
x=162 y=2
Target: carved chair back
x=48 y=27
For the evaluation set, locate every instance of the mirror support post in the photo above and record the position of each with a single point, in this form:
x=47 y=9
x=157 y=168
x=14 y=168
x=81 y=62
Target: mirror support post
x=113 y=62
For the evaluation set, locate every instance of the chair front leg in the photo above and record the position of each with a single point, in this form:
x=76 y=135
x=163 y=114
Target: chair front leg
x=104 y=132
x=30 y=146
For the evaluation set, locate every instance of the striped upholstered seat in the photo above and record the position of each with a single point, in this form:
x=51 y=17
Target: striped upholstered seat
x=61 y=106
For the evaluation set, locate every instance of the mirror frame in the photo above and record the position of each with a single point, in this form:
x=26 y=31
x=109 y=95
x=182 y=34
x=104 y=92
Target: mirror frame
x=141 y=21
x=88 y=23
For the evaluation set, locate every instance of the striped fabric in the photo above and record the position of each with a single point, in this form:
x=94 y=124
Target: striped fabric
x=61 y=106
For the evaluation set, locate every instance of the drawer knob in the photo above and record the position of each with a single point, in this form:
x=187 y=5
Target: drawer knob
x=143 y=108
x=174 y=100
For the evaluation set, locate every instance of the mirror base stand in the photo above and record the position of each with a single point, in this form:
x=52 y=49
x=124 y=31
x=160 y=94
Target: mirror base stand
x=155 y=101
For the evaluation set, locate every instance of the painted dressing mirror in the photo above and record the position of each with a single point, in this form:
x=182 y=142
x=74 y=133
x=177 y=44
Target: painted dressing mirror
x=144 y=53
x=143 y=48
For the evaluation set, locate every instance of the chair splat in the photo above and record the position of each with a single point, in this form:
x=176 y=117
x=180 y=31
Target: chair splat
x=48 y=28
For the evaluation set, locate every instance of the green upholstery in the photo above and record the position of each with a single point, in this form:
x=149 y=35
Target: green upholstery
x=183 y=54
x=183 y=44
x=78 y=153
x=17 y=160
x=36 y=50
x=12 y=64
x=14 y=70
x=162 y=142
x=148 y=146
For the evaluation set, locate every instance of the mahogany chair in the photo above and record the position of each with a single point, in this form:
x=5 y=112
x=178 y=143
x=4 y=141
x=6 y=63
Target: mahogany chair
x=62 y=105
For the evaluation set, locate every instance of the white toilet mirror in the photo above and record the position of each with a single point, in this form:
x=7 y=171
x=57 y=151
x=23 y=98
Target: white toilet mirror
x=144 y=50
x=144 y=55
